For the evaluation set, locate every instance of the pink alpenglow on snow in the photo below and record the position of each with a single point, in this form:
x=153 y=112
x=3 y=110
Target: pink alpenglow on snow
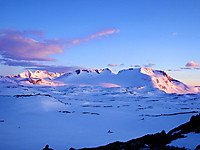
x=112 y=64
x=109 y=85
x=146 y=78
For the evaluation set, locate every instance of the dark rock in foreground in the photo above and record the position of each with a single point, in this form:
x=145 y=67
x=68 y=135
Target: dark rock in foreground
x=155 y=141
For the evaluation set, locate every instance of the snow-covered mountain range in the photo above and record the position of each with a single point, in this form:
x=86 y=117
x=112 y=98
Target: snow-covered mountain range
x=89 y=108
x=140 y=79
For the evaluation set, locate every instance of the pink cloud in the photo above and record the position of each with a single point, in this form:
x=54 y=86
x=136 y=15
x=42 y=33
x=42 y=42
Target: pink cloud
x=20 y=45
x=150 y=65
x=192 y=64
x=112 y=64
x=20 y=48
x=16 y=45
x=96 y=35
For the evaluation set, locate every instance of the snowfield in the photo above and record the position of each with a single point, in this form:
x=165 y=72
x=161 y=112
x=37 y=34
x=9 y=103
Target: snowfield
x=139 y=78
x=81 y=110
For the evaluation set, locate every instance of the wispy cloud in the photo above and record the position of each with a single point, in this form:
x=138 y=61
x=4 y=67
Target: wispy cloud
x=20 y=45
x=150 y=65
x=186 y=68
x=172 y=70
x=137 y=66
x=112 y=65
x=9 y=62
x=191 y=64
x=25 y=48
x=54 y=68
x=96 y=35
x=38 y=66
x=121 y=65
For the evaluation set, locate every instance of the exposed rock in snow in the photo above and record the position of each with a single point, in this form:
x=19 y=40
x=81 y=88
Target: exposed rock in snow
x=73 y=116
x=145 y=79
x=37 y=74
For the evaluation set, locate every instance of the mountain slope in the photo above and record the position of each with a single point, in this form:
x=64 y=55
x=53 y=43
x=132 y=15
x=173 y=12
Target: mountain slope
x=37 y=74
x=145 y=79
x=141 y=78
x=37 y=77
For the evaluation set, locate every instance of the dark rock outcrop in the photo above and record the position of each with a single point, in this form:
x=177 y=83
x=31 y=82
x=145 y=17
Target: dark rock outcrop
x=157 y=141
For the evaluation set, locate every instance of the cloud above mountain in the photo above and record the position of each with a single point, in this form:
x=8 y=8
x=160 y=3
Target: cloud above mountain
x=112 y=65
x=38 y=66
x=20 y=45
x=150 y=65
x=105 y=32
x=191 y=64
x=17 y=45
x=26 y=48
x=137 y=66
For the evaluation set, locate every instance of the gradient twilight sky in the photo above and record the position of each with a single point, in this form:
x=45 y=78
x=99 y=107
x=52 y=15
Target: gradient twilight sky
x=69 y=34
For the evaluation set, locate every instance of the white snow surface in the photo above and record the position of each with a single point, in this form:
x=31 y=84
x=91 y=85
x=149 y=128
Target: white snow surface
x=76 y=115
x=141 y=78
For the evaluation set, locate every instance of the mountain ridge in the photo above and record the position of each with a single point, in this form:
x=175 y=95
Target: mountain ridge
x=137 y=78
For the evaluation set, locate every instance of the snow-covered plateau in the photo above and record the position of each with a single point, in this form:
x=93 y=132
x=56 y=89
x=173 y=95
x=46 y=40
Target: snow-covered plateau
x=90 y=108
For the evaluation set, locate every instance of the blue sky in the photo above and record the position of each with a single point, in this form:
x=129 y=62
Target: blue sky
x=75 y=34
